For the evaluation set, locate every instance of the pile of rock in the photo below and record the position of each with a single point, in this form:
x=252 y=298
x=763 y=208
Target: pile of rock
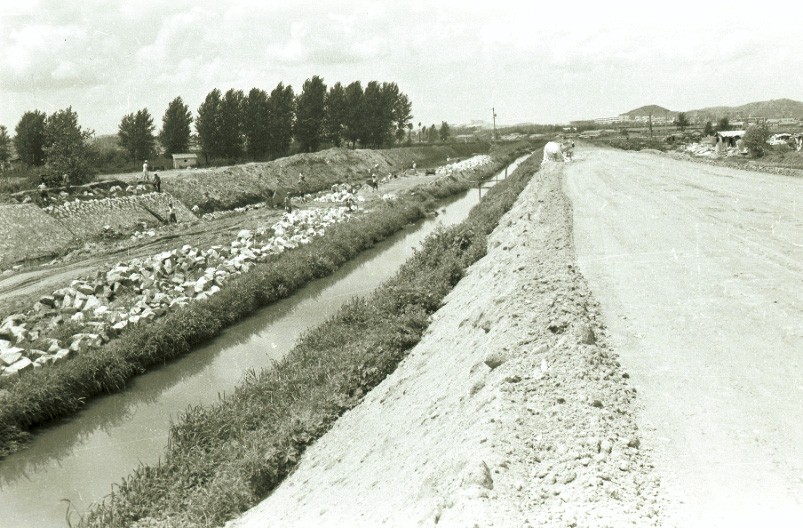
x=139 y=235
x=71 y=200
x=220 y=214
x=472 y=163
x=701 y=149
x=340 y=196
x=140 y=290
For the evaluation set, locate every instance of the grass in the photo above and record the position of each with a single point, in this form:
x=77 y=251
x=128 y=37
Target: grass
x=41 y=396
x=225 y=458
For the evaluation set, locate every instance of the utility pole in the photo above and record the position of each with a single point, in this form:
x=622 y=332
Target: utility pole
x=493 y=111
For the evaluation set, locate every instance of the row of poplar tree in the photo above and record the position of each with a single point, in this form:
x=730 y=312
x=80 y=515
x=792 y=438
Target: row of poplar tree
x=261 y=126
x=231 y=125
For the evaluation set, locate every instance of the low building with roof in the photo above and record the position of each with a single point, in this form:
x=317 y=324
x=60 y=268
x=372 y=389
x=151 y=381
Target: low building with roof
x=184 y=161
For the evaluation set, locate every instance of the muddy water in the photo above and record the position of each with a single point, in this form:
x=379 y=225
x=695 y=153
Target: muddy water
x=81 y=458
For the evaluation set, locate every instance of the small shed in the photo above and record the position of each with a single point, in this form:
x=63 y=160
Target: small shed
x=182 y=161
x=730 y=137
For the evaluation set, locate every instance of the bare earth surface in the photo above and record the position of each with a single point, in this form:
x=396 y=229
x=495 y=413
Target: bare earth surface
x=699 y=272
x=511 y=411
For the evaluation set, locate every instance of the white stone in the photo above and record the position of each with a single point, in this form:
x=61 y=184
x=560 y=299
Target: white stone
x=11 y=355
x=91 y=303
x=20 y=366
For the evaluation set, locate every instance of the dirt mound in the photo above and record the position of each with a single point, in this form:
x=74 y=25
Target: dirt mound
x=512 y=411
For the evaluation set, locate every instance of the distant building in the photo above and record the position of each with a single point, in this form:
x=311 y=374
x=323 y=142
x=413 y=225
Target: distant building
x=183 y=161
x=783 y=121
x=611 y=120
x=730 y=137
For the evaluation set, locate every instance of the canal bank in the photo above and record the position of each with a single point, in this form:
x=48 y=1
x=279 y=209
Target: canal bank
x=80 y=459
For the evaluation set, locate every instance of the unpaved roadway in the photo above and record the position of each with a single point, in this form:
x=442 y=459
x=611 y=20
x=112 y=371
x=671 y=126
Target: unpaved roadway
x=699 y=272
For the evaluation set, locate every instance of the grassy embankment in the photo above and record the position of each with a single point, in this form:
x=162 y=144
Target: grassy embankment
x=223 y=459
x=44 y=395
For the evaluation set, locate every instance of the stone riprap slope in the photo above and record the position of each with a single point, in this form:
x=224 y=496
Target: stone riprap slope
x=114 y=207
x=27 y=232
x=472 y=163
x=237 y=185
x=90 y=218
x=140 y=290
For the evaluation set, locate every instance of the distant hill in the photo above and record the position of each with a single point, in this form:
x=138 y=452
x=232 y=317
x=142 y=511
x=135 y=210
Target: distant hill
x=774 y=109
x=654 y=110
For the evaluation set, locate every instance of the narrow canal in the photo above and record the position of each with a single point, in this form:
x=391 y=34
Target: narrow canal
x=78 y=461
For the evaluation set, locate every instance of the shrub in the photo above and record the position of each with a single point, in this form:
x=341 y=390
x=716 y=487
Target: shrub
x=755 y=139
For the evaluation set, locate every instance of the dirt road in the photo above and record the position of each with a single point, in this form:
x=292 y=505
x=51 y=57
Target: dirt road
x=699 y=271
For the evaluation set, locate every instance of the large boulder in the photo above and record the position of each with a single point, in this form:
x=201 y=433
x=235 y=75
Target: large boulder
x=48 y=300
x=21 y=365
x=10 y=356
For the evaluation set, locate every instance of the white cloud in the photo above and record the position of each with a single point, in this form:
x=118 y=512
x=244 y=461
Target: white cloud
x=535 y=61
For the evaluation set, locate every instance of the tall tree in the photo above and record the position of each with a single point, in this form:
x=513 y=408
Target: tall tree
x=5 y=143
x=432 y=134
x=29 y=139
x=402 y=115
x=231 y=124
x=708 y=129
x=175 y=133
x=136 y=134
x=65 y=146
x=208 y=125
x=281 y=114
x=255 y=123
x=377 y=115
x=755 y=139
x=390 y=101
x=681 y=121
x=354 y=127
x=310 y=114
x=444 y=131
x=723 y=124
x=336 y=113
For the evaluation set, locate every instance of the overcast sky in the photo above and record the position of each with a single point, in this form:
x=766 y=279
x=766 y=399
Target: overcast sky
x=456 y=60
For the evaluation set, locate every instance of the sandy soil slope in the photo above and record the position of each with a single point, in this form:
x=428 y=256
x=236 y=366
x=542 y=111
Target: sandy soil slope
x=699 y=271
x=512 y=411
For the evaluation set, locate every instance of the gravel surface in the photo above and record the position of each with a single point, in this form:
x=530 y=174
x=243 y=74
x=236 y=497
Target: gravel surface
x=699 y=271
x=512 y=411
